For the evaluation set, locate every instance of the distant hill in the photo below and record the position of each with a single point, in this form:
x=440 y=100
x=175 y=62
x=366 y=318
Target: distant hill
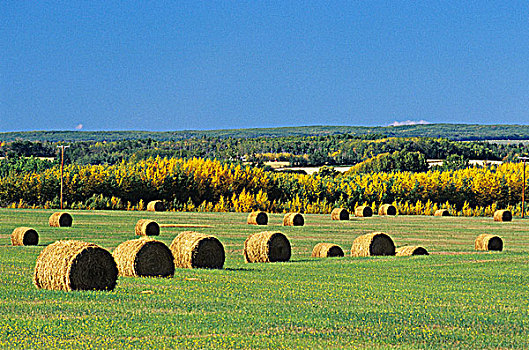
x=460 y=132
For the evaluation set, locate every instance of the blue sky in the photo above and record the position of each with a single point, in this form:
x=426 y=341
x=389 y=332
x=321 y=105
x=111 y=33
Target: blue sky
x=149 y=65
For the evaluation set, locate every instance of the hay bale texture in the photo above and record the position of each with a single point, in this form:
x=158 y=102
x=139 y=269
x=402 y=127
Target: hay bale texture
x=24 y=236
x=340 y=214
x=293 y=219
x=488 y=242
x=75 y=265
x=155 y=206
x=364 y=211
x=373 y=244
x=258 y=218
x=197 y=250
x=144 y=257
x=60 y=219
x=442 y=212
x=502 y=215
x=387 y=209
x=411 y=250
x=269 y=246
x=326 y=250
x=146 y=227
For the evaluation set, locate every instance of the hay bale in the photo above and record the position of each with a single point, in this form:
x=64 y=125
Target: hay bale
x=326 y=250
x=442 y=212
x=268 y=246
x=293 y=219
x=340 y=214
x=502 y=215
x=197 y=250
x=411 y=250
x=364 y=211
x=488 y=242
x=144 y=257
x=146 y=227
x=24 y=236
x=60 y=219
x=155 y=206
x=387 y=209
x=373 y=244
x=257 y=218
x=75 y=265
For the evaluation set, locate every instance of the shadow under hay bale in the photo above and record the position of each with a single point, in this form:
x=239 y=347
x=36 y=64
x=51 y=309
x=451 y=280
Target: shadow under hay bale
x=387 y=209
x=364 y=211
x=60 y=219
x=442 y=212
x=257 y=218
x=24 y=236
x=326 y=250
x=373 y=244
x=144 y=257
x=197 y=250
x=268 y=246
x=293 y=219
x=75 y=265
x=155 y=206
x=146 y=227
x=502 y=215
x=488 y=242
x=411 y=250
x=340 y=214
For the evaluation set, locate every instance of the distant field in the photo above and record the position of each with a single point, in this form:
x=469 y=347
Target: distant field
x=454 y=298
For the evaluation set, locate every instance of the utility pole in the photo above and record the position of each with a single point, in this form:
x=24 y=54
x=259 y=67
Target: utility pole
x=62 y=166
x=523 y=185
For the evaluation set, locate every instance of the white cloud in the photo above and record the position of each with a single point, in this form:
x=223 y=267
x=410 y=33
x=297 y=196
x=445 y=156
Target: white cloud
x=409 y=122
x=79 y=127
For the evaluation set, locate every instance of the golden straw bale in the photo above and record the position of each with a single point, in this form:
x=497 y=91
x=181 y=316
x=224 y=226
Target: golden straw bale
x=488 y=242
x=372 y=244
x=144 y=257
x=364 y=211
x=75 y=265
x=197 y=250
x=146 y=227
x=340 y=214
x=387 y=209
x=502 y=215
x=60 y=219
x=293 y=219
x=155 y=206
x=442 y=212
x=24 y=236
x=326 y=250
x=268 y=246
x=258 y=218
x=411 y=250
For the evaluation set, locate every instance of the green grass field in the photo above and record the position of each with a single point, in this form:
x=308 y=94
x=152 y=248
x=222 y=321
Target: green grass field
x=454 y=298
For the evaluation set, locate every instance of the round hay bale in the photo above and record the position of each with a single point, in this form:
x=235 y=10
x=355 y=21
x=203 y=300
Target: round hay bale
x=326 y=250
x=442 y=212
x=60 y=219
x=75 y=265
x=268 y=246
x=340 y=214
x=488 y=242
x=144 y=257
x=257 y=218
x=411 y=250
x=146 y=227
x=502 y=215
x=387 y=209
x=373 y=244
x=155 y=206
x=24 y=236
x=197 y=250
x=293 y=219
x=364 y=211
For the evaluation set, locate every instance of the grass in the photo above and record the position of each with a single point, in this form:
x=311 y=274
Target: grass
x=454 y=298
